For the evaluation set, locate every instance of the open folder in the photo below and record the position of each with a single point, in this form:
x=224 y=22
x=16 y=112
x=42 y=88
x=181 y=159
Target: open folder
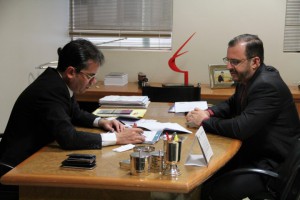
x=151 y=137
x=159 y=126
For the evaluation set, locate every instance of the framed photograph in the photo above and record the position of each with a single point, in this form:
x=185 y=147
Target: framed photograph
x=220 y=77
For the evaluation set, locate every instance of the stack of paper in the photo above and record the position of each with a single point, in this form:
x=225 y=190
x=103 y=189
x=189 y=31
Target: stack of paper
x=116 y=78
x=115 y=101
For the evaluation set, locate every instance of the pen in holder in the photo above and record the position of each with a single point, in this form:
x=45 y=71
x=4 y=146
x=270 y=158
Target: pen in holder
x=172 y=149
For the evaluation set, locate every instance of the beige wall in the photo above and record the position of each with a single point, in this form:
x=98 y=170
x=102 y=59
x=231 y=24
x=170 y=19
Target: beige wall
x=30 y=33
x=215 y=23
x=24 y=46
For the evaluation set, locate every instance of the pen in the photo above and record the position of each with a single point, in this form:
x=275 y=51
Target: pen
x=176 y=138
x=134 y=125
x=173 y=135
x=121 y=122
x=167 y=136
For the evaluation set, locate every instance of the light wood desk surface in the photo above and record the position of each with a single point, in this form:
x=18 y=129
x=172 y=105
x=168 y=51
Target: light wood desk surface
x=42 y=172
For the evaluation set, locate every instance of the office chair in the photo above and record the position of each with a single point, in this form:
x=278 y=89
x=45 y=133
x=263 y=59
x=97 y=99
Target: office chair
x=283 y=184
x=172 y=94
x=7 y=192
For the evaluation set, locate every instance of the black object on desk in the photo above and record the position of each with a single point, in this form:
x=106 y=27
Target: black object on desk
x=172 y=94
x=82 y=161
x=176 y=85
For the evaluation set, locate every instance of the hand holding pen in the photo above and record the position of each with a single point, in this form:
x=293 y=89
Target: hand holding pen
x=135 y=126
x=111 y=125
x=131 y=135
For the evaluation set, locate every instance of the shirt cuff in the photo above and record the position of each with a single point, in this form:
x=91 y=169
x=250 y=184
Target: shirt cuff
x=211 y=113
x=96 y=122
x=108 y=139
x=204 y=120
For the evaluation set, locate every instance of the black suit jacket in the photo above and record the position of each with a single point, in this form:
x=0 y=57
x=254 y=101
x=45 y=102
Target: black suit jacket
x=263 y=115
x=45 y=112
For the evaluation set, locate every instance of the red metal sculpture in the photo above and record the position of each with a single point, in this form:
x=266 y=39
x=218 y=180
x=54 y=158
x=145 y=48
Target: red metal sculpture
x=172 y=63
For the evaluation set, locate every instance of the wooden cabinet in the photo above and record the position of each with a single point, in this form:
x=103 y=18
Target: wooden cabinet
x=213 y=96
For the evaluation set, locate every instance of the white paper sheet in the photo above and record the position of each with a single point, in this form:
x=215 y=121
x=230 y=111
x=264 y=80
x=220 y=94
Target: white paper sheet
x=189 y=106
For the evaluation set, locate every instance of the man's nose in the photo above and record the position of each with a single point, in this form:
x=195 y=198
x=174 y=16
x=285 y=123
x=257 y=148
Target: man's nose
x=229 y=66
x=93 y=81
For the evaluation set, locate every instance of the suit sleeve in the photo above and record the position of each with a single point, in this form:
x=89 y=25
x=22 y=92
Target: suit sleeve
x=60 y=124
x=81 y=117
x=263 y=103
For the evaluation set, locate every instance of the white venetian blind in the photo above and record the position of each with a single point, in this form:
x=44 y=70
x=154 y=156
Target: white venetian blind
x=130 y=24
x=292 y=26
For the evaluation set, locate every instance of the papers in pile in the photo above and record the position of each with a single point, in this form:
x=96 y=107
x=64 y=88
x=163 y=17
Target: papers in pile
x=124 y=101
x=116 y=78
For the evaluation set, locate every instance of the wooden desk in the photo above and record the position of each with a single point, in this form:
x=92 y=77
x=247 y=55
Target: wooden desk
x=99 y=90
x=40 y=176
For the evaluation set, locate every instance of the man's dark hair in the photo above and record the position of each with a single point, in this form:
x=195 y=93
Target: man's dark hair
x=254 y=46
x=76 y=54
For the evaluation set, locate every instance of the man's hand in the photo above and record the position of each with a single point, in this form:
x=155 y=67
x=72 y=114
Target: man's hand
x=130 y=136
x=111 y=125
x=197 y=116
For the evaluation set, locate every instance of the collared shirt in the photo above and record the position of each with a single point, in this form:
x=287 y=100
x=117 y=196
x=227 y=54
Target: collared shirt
x=107 y=138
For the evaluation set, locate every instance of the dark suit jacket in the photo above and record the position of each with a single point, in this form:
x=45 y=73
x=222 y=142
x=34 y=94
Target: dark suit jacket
x=263 y=115
x=45 y=112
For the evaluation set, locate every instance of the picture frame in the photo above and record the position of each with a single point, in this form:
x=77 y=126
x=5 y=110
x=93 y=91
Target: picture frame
x=220 y=76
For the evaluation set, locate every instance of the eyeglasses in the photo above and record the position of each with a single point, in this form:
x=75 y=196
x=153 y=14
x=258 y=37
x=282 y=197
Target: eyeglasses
x=88 y=76
x=234 y=62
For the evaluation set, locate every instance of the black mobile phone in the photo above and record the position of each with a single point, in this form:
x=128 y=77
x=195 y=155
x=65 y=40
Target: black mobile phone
x=81 y=155
x=82 y=161
x=76 y=166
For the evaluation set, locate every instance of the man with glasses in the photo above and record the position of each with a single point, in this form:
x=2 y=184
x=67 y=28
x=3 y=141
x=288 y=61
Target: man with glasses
x=47 y=110
x=261 y=113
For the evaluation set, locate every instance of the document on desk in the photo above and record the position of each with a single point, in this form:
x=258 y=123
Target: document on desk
x=153 y=125
x=189 y=106
x=151 y=137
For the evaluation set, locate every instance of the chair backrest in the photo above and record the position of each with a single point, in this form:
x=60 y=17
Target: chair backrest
x=172 y=94
x=4 y=168
x=7 y=192
x=288 y=184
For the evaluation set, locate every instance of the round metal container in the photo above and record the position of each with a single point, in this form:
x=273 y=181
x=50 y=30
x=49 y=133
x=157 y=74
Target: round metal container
x=157 y=161
x=144 y=148
x=140 y=163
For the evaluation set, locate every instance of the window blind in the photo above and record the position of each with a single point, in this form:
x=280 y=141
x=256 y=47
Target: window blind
x=292 y=27
x=126 y=24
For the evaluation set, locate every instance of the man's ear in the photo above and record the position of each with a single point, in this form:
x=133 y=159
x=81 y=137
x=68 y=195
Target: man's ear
x=70 y=72
x=256 y=62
